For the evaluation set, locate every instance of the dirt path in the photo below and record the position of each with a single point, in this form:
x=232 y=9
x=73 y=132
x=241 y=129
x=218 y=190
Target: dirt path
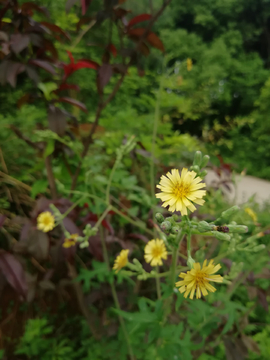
x=243 y=188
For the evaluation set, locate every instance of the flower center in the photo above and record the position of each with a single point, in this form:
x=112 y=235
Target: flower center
x=156 y=252
x=200 y=278
x=181 y=191
x=47 y=221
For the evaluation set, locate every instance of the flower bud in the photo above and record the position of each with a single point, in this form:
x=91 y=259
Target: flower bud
x=203 y=226
x=205 y=160
x=197 y=158
x=259 y=248
x=166 y=226
x=175 y=230
x=230 y=212
x=175 y=217
x=203 y=174
x=159 y=218
x=237 y=229
x=171 y=220
x=221 y=236
x=196 y=169
x=190 y=262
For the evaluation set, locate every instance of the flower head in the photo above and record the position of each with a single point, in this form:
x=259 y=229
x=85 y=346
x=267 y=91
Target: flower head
x=180 y=192
x=155 y=251
x=189 y=64
x=45 y=221
x=71 y=241
x=121 y=260
x=197 y=279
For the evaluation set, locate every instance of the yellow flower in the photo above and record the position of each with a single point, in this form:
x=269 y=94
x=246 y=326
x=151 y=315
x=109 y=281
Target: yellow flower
x=71 y=241
x=180 y=192
x=189 y=64
x=197 y=279
x=45 y=221
x=155 y=251
x=251 y=213
x=121 y=260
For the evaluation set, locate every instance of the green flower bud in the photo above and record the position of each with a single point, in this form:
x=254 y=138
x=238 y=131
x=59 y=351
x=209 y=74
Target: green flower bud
x=159 y=217
x=191 y=168
x=203 y=226
x=221 y=236
x=197 y=158
x=259 y=248
x=175 y=230
x=237 y=229
x=190 y=262
x=166 y=226
x=171 y=220
x=205 y=160
x=196 y=169
x=175 y=217
x=203 y=174
x=230 y=212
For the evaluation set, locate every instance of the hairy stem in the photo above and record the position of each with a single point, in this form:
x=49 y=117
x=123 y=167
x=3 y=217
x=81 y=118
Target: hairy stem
x=158 y=283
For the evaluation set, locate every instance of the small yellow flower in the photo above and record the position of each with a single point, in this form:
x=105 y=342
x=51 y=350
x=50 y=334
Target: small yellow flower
x=71 y=241
x=121 y=260
x=45 y=221
x=155 y=251
x=197 y=279
x=189 y=64
x=251 y=213
x=180 y=192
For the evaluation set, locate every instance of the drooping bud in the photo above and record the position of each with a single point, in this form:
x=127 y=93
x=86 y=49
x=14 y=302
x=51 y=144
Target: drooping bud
x=241 y=229
x=230 y=212
x=166 y=226
x=205 y=160
x=221 y=236
x=197 y=158
x=203 y=226
x=159 y=218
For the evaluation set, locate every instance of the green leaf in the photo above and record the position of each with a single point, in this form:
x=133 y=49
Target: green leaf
x=39 y=186
x=49 y=149
x=47 y=88
x=137 y=316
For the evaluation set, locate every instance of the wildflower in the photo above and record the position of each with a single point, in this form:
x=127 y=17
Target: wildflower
x=251 y=213
x=197 y=279
x=189 y=64
x=45 y=221
x=121 y=260
x=155 y=251
x=71 y=241
x=180 y=192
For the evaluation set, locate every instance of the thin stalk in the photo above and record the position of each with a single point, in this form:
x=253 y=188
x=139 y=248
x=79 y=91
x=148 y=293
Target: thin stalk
x=102 y=217
x=158 y=283
x=108 y=190
x=114 y=294
x=72 y=207
x=175 y=258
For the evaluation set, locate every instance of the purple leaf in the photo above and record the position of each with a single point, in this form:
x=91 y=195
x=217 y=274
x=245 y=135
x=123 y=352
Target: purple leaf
x=13 y=272
x=73 y=102
x=2 y=220
x=13 y=70
x=38 y=244
x=103 y=77
x=44 y=65
x=19 y=42
x=57 y=120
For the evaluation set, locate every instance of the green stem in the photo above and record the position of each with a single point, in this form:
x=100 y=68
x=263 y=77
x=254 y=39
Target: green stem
x=71 y=208
x=114 y=294
x=102 y=216
x=108 y=190
x=175 y=258
x=158 y=283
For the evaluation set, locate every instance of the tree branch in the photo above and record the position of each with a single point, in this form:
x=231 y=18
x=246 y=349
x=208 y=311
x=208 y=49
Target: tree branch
x=117 y=86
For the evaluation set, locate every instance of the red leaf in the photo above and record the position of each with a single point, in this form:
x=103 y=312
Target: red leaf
x=73 y=102
x=138 y=19
x=85 y=4
x=136 y=32
x=112 y=49
x=13 y=271
x=31 y=6
x=55 y=28
x=44 y=65
x=155 y=41
x=85 y=63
